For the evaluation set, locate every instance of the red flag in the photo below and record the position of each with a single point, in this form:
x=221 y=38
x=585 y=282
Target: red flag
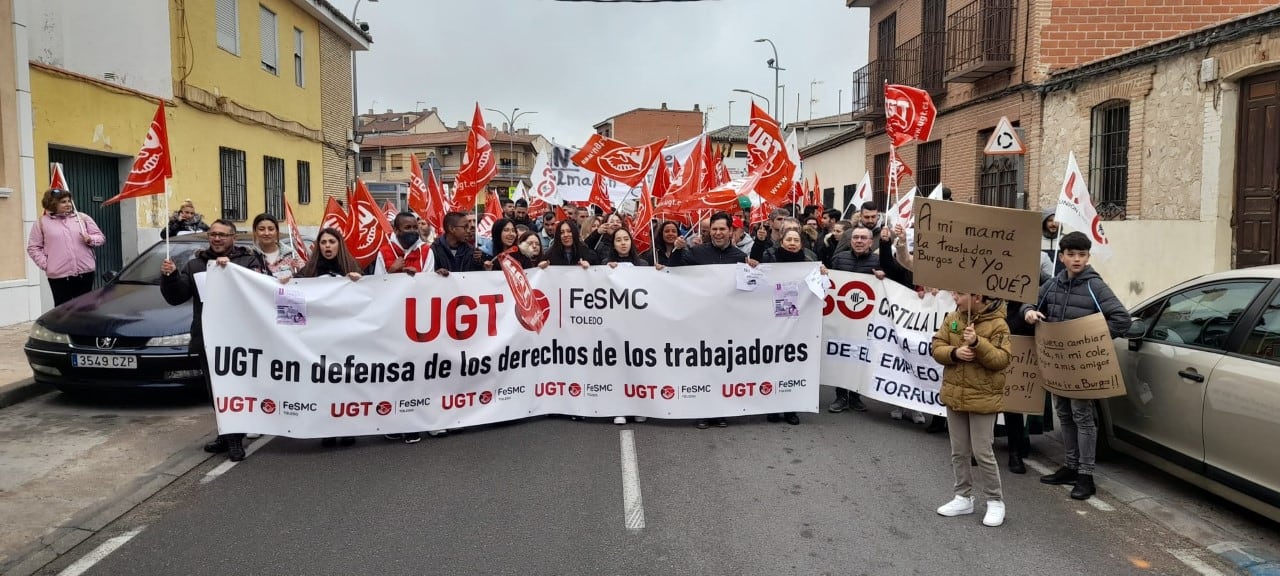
x=295 y=235
x=897 y=169
x=426 y=197
x=370 y=229
x=909 y=114
x=477 y=169
x=57 y=180
x=600 y=194
x=390 y=211
x=687 y=184
x=561 y=216
x=641 y=224
x=532 y=307
x=661 y=180
x=626 y=164
x=768 y=156
x=492 y=213
x=335 y=216
x=151 y=167
x=713 y=163
x=817 y=198
x=760 y=212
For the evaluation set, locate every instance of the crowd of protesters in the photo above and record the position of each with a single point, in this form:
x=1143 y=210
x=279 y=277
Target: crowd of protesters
x=972 y=345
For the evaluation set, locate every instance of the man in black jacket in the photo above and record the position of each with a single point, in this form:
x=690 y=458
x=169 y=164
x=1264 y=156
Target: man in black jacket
x=1076 y=292
x=854 y=255
x=179 y=286
x=455 y=250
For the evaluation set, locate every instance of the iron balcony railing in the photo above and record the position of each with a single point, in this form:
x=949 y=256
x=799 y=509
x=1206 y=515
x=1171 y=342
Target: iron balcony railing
x=980 y=40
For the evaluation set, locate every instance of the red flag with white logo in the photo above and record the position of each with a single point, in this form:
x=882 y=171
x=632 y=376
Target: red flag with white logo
x=897 y=170
x=621 y=163
x=768 y=155
x=295 y=235
x=335 y=216
x=600 y=194
x=371 y=229
x=532 y=307
x=641 y=223
x=478 y=168
x=390 y=211
x=151 y=167
x=426 y=196
x=57 y=180
x=661 y=180
x=492 y=213
x=909 y=114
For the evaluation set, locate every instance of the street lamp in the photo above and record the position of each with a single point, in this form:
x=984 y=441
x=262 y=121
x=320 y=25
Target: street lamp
x=777 y=84
x=355 y=88
x=511 y=131
x=745 y=91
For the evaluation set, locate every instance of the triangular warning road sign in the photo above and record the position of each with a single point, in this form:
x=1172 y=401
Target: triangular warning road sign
x=1004 y=141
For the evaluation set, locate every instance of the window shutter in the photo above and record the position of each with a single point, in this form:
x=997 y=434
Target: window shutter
x=228 y=26
x=270 y=49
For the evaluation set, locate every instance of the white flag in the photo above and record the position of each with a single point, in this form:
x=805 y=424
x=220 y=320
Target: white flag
x=1075 y=210
x=793 y=153
x=861 y=195
x=903 y=211
x=521 y=192
x=937 y=192
x=544 y=182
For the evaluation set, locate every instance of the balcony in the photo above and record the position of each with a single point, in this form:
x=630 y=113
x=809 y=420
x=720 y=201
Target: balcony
x=919 y=62
x=868 y=88
x=980 y=40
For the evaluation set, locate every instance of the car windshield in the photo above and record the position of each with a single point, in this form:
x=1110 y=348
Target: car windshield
x=145 y=269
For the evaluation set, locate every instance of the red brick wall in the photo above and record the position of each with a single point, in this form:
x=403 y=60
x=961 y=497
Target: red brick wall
x=645 y=126
x=1082 y=31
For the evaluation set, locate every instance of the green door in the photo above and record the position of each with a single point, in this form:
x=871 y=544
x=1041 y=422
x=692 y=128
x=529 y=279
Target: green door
x=92 y=180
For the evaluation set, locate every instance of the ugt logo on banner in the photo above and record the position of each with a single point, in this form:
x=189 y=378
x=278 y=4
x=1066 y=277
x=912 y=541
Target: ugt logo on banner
x=854 y=299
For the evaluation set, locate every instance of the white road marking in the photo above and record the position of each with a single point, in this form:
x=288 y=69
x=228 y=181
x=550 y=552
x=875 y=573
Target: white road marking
x=632 y=503
x=228 y=465
x=1189 y=558
x=1094 y=501
x=98 y=554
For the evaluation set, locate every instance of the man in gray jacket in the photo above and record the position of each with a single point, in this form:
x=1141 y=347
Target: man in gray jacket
x=1076 y=292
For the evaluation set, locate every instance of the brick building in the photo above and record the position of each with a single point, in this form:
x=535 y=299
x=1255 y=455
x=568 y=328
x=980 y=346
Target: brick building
x=645 y=125
x=1065 y=74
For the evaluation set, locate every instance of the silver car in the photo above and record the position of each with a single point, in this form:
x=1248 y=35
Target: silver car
x=1202 y=373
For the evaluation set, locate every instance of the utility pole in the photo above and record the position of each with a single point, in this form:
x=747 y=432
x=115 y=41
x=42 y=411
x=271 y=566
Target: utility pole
x=812 y=99
x=731 y=112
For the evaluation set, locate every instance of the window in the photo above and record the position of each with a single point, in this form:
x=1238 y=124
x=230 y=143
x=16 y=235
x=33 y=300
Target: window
x=1204 y=316
x=1263 y=342
x=998 y=176
x=273 y=185
x=304 y=182
x=299 y=48
x=828 y=198
x=228 y=23
x=880 y=179
x=235 y=197
x=933 y=23
x=887 y=39
x=928 y=166
x=741 y=154
x=397 y=162
x=848 y=192
x=267 y=33
x=1109 y=159
x=366 y=164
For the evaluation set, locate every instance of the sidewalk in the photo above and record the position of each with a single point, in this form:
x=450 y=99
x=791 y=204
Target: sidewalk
x=16 y=384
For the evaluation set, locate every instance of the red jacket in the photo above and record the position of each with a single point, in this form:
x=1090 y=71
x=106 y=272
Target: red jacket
x=418 y=258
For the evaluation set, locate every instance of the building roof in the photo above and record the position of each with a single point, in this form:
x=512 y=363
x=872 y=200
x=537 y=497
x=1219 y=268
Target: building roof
x=731 y=133
x=634 y=110
x=451 y=138
x=335 y=20
x=835 y=141
x=393 y=121
x=824 y=121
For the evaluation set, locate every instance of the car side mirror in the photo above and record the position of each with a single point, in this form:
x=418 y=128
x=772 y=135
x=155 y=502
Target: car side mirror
x=1137 y=329
x=109 y=275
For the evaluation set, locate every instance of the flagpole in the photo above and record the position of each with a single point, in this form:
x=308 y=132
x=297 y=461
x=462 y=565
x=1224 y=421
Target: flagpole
x=166 y=216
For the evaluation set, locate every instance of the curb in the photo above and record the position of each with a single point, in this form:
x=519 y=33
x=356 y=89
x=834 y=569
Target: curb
x=84 y=524
x=21 y=391
x=1252 y=560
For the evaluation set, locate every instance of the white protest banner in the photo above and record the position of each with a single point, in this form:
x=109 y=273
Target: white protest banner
x=394 y=353
x=979 y=249
x=877 y=340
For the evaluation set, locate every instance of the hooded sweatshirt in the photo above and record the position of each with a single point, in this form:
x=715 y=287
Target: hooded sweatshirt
x=1064 y=298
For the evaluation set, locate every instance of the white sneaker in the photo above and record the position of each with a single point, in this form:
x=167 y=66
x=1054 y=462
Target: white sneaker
x=995 y=513
x=896 y=414
x=958 y=506
x=640 y=418
x=437 y=433
x=252 y=436
x=917 y=417
x=619 y=420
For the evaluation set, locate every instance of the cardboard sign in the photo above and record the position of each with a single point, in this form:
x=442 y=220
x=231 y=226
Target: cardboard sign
x=1022 y=391
x=977 y=249
x=1078 y=359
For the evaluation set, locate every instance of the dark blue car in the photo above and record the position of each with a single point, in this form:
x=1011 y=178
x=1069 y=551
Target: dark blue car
x=122 y=335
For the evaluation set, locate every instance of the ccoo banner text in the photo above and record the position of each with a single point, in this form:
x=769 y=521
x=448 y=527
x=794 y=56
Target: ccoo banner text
x=394 y=353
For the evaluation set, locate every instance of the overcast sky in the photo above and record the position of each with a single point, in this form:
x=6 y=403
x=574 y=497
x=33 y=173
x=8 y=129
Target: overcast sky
x=578 y=63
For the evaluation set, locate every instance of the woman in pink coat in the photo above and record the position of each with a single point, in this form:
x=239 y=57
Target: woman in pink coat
x=62 y=243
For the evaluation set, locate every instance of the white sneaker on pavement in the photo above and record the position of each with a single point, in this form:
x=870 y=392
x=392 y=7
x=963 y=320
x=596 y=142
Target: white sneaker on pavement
x=619 y=420
x=917 y=417
x=995 y=513
x=252 y=436
x=958 y=506
x=640 y=418
x=896 y=414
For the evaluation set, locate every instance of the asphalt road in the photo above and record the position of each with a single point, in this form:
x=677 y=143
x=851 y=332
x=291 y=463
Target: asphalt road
x=839 y=494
